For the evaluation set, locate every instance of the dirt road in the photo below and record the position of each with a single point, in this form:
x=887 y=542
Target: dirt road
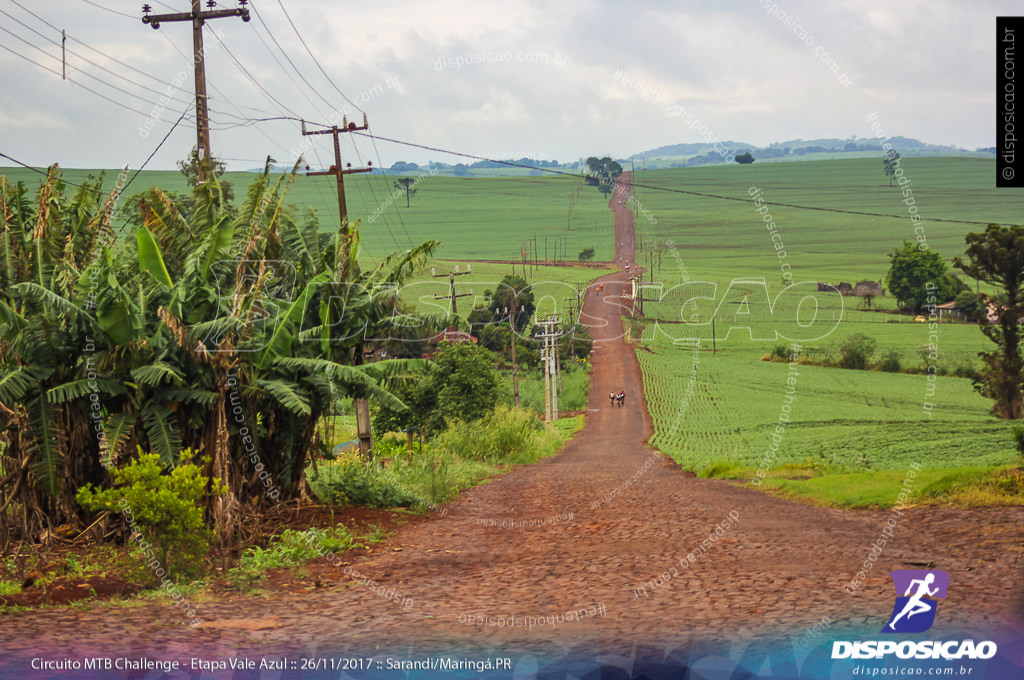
x=637 y=550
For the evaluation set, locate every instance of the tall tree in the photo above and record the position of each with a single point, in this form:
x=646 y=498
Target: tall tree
x=513 y=293
x=406 y=184
x=889 y=165
x=996 y=256
x=916 y=274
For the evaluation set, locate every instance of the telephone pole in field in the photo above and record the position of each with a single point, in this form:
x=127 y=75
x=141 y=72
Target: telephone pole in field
x=198 y=18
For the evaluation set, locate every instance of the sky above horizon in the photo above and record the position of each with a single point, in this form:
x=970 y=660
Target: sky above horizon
x=501 y=80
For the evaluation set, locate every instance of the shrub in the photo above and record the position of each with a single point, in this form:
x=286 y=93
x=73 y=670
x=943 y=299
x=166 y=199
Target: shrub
x=507 y=435
x=856 y=350
x=890 y=363
x=164 y=507
x=352 y=481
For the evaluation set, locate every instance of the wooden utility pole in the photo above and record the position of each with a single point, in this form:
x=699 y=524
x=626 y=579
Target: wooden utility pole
x=336 y=169
x=451 y=277
x=362 y=405
x=198 y=18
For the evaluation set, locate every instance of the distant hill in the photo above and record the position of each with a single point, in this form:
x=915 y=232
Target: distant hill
x=706 y=153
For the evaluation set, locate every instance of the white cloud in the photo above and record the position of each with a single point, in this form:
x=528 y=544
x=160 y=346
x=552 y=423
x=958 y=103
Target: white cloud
x=927 y=67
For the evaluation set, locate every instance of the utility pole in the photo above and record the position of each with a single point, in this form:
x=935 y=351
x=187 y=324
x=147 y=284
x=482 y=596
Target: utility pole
x=550 y=390
x=336 y=169
x=198 y=18
x=451 y=277
x=361 y=404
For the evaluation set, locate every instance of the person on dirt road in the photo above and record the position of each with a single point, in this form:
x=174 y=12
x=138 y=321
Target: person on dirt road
x=611 y=396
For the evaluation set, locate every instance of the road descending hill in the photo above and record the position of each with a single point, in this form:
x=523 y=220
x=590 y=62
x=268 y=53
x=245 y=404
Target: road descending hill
x=605 y=546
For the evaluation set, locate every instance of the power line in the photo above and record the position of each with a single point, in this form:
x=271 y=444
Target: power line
x=112 y=11
x=86 y=73
x=97 y=191
x=290 y=77
x=84 y=87
x=289 y=59
x=255 y=82
x=664 y=189
x=311 y=56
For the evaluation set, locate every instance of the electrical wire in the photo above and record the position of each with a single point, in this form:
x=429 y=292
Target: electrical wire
x=311 y=55
x=112 y=11
x=84 y=87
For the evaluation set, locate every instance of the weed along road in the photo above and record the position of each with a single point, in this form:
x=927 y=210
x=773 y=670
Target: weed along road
x=607 y=545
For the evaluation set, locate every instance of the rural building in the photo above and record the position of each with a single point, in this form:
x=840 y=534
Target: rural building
x=868 y=288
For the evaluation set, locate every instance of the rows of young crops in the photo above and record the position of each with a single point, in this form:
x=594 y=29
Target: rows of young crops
x=711 y=408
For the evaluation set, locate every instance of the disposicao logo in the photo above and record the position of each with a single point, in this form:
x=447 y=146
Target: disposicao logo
x=914 y=612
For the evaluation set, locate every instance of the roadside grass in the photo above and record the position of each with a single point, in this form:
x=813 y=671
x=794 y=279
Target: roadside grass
x=960 y=487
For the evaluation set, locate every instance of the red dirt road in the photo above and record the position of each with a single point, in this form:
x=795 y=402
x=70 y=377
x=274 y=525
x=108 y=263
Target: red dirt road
x=774 y=569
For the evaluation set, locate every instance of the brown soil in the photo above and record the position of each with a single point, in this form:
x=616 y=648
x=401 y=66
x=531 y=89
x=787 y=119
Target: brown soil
x=511 y=548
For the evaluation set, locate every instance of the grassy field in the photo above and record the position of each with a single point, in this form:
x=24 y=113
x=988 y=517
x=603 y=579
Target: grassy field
x=474 y=218
x=721 y=240
x=843 y=421
x=716 y=412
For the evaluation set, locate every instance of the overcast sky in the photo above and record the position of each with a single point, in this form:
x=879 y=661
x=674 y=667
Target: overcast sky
x=544 y=80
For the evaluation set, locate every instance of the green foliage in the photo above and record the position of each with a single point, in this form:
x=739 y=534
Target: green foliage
x=890 y=164
x=461 y=386
x=856 y=351
x=503 y=436
x=513 y=300
x=967 y=303
x=290 y=549
x=166 y=507
x=189 y=168
x=602 y=173
x=134 y=339
x=9 y=587
x=996 y=257
x=586 y=255
x=744 y=158
x=890 y=362
x=407 y=185
x=352 y=481
x=911 y=273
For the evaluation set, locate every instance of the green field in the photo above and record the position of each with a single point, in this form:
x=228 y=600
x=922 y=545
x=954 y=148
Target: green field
x=474 y=218
x=723 y=412
x=726 y=410
x=842 y=420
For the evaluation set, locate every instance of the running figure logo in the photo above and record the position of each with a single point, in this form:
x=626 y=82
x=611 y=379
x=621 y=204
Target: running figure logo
x=912 y=612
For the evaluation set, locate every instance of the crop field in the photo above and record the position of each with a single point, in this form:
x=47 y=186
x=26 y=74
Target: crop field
x=474 y=218
x=719 y=240
x=712 y=408
x=552 y=286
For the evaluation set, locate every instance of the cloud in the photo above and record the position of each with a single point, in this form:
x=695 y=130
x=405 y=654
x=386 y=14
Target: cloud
x=741 y=70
